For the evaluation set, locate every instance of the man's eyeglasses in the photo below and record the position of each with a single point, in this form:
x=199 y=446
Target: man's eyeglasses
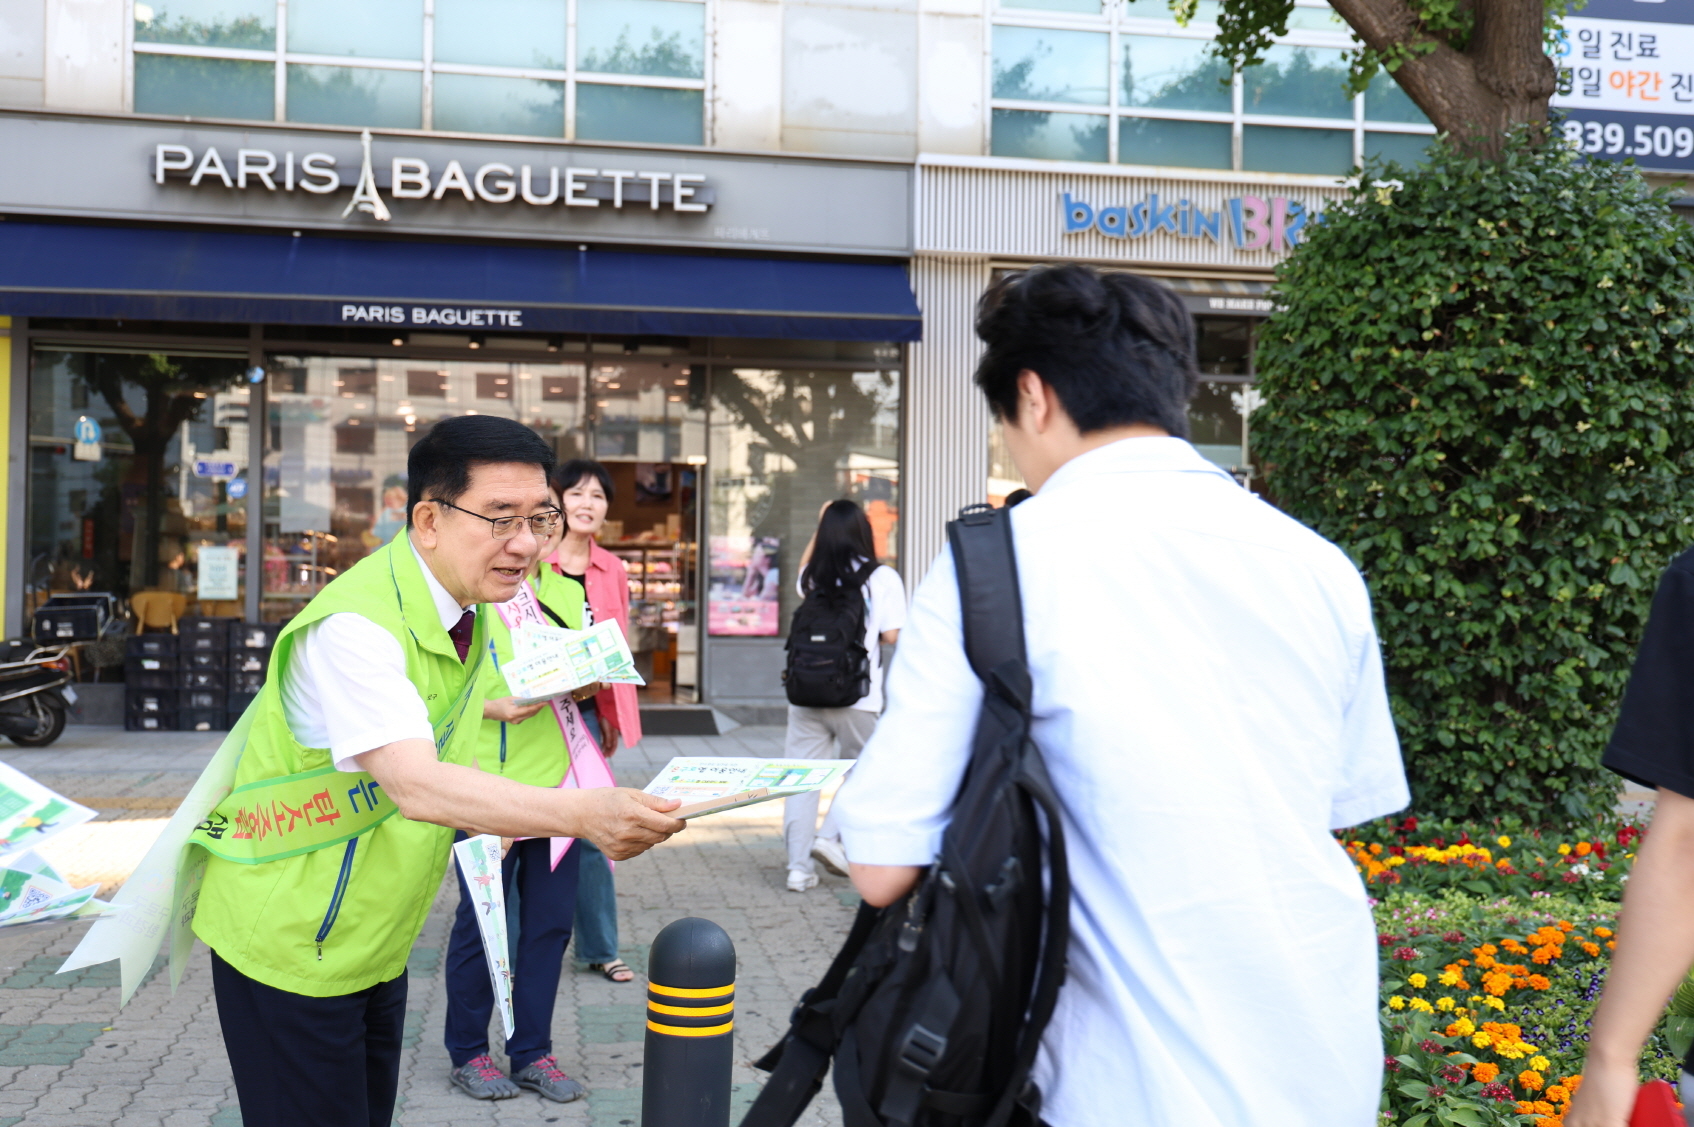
x=504 y=528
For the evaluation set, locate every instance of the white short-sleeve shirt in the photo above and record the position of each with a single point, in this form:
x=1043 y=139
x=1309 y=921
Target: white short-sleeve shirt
x=885 y=610
x=1209 y=699
x=346 y=687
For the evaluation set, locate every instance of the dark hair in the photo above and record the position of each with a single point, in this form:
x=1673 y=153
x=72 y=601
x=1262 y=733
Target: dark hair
x=1115 y=348
x=568 y=475
x=1017 y=497
x=439 y=466
x=844 y=542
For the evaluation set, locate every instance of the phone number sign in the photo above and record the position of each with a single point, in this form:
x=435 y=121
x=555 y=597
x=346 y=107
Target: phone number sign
x=1626 y=81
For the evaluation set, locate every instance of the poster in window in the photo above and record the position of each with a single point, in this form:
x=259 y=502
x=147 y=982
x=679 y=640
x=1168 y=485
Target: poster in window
x=219 y=572
x=744 y=588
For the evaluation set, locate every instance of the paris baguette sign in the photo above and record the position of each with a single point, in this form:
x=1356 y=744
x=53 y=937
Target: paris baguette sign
x=410 y=178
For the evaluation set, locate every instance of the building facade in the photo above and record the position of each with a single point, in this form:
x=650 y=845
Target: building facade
x=729 y=247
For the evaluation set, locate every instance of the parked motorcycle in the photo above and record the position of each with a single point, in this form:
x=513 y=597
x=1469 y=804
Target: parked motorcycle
x=35 y=692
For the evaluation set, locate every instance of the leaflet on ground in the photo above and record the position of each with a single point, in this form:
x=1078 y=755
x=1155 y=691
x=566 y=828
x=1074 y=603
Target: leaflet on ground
x=550 y=661
x=707 y=786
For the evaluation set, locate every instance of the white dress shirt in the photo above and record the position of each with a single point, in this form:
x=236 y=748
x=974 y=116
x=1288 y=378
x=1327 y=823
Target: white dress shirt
x=885 y=610
x=346 y=687
x=1209 y=699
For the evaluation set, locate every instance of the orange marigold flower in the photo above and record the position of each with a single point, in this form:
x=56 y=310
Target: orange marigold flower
x=1545 y=954
x=1558 y=1093
x=1548 y=1120
x=1485 y=1073
x=1566 y=925
x=1526 y=1107
x=1496 y=983
x=1539 y=982
x=1593 y=949
x=1530 y=1080
x=1583 y=849
x=1376 y=848
x=1611 y=945
x=1485 y=949
x=1603 y=932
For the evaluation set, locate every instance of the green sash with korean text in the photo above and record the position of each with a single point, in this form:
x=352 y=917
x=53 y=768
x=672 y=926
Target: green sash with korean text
x=276 y=818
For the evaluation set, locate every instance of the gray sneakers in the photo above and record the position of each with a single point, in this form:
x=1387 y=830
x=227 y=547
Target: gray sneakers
x=544 y=1076
x=481 y=1079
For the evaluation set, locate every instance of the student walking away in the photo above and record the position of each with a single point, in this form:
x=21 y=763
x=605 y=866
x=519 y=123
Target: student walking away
x=1205 y=689
x=1653 y=745
x=538 y=744
x=613 y=715
x=850 y=604
x=380 y=678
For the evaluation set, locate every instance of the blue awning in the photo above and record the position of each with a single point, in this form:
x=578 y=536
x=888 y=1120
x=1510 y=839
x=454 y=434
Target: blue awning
x=54 y=270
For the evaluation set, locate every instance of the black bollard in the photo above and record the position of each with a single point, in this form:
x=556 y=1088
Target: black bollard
x=690 y=1022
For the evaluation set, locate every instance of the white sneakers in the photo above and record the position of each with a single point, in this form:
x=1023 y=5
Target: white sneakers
x=800 y=882
x=829 y=851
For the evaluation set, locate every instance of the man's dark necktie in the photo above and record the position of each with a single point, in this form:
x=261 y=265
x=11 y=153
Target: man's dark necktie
x=461 y=634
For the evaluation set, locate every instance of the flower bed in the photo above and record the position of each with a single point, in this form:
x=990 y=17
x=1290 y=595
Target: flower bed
x=1488 y=976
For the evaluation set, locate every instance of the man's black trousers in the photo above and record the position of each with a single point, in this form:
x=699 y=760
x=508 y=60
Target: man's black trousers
x=329 y=1062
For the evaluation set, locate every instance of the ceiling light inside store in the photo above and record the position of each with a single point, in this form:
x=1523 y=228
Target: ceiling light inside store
x=676 y=399
x=411 y=421
x=397 y=342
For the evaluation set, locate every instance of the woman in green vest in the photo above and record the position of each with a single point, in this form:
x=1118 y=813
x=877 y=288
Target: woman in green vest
x=353 y=762
x=526 y=742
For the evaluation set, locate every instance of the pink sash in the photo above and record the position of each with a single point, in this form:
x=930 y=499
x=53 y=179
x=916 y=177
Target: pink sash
x=588 y=768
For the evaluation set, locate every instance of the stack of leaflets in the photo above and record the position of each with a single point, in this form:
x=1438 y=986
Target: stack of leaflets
x=707 y=786
x=549 y=661
x=31 y=890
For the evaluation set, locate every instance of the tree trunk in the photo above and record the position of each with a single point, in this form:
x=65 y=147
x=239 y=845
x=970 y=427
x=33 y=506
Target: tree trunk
x=149 y=517
x=1502 y=78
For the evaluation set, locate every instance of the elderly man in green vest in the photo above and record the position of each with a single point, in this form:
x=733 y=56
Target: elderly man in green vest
x=374 y=690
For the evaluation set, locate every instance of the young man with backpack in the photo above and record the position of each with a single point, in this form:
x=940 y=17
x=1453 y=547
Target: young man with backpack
x=1200 y=676
x=850 y=605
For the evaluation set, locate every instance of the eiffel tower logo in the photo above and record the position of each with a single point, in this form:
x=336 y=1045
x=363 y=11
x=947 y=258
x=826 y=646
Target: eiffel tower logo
x=365 y=196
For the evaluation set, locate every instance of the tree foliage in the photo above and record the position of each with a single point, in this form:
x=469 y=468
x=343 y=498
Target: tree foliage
x=1478 y=384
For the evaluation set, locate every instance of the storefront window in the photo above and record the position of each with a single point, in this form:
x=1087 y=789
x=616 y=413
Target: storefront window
x=134 y=514
x=784 y=442
x=633 y=69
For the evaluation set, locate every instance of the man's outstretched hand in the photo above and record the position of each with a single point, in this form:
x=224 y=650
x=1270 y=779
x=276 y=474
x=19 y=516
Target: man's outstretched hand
x=624 y=822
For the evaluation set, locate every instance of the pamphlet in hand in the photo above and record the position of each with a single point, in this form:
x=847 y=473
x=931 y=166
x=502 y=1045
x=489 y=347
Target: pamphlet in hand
x=549 y=661
x=707 y=786
x=480 y=860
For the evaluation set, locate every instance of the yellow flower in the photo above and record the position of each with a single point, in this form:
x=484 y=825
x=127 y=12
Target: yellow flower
x=1503 y=841
x=1564 y=850
x=1396 y=1003
x=1482 y=1040
x=1464 y=1027
x=1540 y=1064
x=1422 y=1006
x=1496 y=1003
x=1448 y=978
x=1444 y=1004
x=1419 y=981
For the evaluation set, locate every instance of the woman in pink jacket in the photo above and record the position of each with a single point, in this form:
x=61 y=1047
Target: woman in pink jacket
x=585 y=490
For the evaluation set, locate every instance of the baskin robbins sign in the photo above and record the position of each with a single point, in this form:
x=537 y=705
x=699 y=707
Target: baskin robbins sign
x=1246 y=223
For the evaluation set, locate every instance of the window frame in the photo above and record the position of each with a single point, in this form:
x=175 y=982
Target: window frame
x=1115 y=24
x=569 y=75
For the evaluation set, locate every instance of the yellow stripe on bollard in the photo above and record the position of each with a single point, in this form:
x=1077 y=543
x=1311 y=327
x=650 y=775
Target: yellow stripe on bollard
x=680 y=992
x=691 y=1011
x=687 y=1031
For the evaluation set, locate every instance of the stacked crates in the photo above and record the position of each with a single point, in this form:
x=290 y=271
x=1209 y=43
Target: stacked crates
x=198 y=680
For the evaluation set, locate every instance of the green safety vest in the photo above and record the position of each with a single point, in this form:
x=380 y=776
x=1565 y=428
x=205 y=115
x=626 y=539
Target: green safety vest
x=534 y=751
x=337 y=912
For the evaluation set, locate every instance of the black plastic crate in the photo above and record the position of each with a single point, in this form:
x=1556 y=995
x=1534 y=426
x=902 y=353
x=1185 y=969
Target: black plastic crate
x=202 y=679
x=201 y=699
x=237 y=704
x=150 y=672
x=201 y=720
x=151 y=645
x=150 y=723
x=202 y=643
x=149 y=702
x=55 y=626
x=201 y=659
x=206 y=625
x=249 y=661
x=254 y=635
x=249 y=683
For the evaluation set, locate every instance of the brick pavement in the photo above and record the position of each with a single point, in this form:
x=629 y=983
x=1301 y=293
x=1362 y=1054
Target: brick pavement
x=69 y=1058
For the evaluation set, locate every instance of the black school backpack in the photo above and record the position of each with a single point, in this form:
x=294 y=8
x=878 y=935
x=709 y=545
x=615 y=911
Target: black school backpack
x=828 y=665
x=934 y=1008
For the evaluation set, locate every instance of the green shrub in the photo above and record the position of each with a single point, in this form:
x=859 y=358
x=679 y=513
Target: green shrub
x=1478 y=385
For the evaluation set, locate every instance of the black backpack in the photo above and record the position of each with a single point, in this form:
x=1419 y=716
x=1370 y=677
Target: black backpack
x=828 y=665
x=934 y=1008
